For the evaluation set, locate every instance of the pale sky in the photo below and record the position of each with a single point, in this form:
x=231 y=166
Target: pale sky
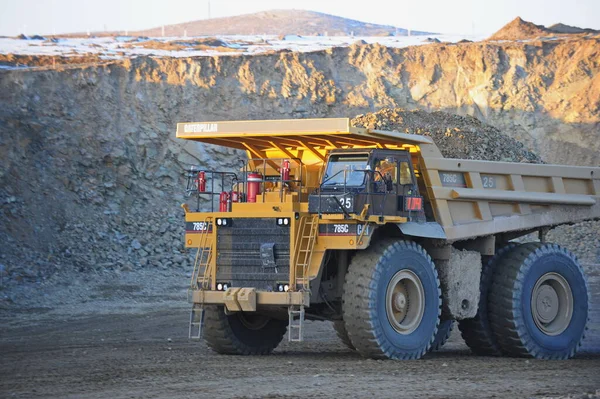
x=444 y=16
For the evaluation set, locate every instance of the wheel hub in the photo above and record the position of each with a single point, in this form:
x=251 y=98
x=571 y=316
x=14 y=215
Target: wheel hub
x=405 y=302
x=552 y=304
x=547 y=303
x=399 y=302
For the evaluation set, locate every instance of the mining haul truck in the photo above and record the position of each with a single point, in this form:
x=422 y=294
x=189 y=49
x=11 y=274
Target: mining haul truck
x=379 y=233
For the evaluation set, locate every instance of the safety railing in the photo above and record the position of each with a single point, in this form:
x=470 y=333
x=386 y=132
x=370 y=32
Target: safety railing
x=209 y=184
x=260 y=176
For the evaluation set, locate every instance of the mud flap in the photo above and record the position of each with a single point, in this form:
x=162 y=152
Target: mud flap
x=426 y=230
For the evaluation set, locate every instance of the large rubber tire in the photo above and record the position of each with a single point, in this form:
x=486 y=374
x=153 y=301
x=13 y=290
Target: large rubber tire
x=477 y=332
x=443 y=333
x=370 y=275
x=231 y=334
x=514 y=320
x=340 y=330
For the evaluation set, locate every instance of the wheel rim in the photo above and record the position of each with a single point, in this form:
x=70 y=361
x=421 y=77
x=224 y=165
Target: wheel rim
x=253 y=321
x=552 y=304
x=405 y=302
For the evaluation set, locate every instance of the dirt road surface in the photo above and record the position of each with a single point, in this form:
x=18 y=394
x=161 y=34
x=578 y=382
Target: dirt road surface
x=146 y=353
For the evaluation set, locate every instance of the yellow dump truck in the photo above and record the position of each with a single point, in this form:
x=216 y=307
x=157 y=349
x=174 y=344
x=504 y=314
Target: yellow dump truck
x=379 y=233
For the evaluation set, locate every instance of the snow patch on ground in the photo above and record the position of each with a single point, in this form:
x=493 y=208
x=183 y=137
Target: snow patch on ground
x=127 y=46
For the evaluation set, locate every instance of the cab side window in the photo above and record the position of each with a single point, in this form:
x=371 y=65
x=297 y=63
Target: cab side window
x=388 y=170
x=405 y=173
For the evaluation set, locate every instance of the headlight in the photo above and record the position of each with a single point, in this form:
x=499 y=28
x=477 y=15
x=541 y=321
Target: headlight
x=223 y=222
x=282 y=287
x=283 y=221
x=223 y=286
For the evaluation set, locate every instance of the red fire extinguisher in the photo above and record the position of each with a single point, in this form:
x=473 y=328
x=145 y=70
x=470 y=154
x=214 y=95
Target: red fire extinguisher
x=201 y=182
x=254 y=180
x=235 y=196
x=285 y=170
x=223 y=202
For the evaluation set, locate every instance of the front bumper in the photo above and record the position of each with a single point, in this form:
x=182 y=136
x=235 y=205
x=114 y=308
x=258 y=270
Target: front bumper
x=237 y=299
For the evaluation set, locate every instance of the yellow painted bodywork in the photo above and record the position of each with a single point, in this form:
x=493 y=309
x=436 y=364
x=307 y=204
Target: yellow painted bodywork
x=524 y=196
x=294 y=211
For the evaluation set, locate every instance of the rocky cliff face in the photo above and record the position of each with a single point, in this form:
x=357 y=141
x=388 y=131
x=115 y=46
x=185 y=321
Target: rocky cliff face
x=90 y=168
x=546 y=93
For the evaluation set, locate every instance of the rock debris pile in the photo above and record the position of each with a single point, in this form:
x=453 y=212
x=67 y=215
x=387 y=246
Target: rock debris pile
x=456 y=136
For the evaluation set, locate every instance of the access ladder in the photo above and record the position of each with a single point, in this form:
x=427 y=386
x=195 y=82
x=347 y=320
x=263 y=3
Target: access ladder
x=305 y=243
x=201 y=280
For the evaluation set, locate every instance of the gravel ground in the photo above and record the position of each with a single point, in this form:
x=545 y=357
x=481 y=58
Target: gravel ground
x=110 y=347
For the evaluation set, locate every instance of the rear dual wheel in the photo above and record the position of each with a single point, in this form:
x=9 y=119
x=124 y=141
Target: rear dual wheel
x=538 y=302
x=477 y=332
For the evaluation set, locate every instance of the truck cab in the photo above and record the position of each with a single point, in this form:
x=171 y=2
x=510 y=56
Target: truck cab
x=368 y=182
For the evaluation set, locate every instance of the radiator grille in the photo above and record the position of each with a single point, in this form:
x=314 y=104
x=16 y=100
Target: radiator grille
x=239 y=253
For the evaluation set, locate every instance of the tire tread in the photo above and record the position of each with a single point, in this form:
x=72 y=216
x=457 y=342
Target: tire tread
x=508 y=324
x=477 y=332
x=221 y=338
x=360 y=294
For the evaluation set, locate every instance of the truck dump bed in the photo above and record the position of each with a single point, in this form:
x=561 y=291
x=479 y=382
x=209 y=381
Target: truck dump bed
x=477 y=198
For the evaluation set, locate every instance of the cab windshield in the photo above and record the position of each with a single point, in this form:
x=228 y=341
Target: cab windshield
x=346 y=169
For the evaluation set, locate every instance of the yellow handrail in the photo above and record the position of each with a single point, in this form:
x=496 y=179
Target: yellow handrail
x=203 y=256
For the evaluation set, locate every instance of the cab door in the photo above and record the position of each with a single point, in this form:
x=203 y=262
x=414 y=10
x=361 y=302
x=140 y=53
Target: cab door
x=409 y=203
x=384 y=190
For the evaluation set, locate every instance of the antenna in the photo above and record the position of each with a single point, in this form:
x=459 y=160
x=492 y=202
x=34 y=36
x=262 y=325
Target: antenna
x=208 y=9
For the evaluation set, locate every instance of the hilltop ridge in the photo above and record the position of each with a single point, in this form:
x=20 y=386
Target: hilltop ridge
x=519 y=29
x=279 y=22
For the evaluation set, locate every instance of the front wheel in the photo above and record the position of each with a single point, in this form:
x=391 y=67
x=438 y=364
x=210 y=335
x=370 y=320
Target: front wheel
x=242 y=333
x=392 y=301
